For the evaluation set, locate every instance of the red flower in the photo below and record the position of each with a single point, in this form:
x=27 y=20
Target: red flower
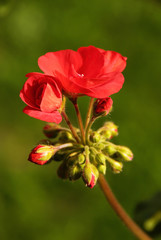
x=41 y=154
x=103 y=106
x=43 y=96
x=89 y=71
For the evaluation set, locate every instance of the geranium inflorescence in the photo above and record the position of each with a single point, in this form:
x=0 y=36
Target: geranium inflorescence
x=89 y=71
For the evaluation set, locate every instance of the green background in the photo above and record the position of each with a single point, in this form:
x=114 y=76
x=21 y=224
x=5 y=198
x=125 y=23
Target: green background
x=34 y=203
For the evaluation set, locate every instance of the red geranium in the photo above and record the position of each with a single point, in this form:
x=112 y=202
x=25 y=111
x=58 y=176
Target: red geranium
x=89 y=71
x=43 y=96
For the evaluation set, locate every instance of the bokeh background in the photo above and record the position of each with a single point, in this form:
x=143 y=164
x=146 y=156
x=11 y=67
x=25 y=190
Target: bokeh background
x=34 y=203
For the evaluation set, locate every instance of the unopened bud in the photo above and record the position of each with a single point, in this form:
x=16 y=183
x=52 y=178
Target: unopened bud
x=81 y=158
x=115 y=165
x=100 y=146
x=63 y=171
x=102 y=168
x=125 y=153
x=74 y=172
x=90 y=175
x=110 y=149
x=95 y=137
x=65 y=136
x=51 y=130
x=102 y=107
x=72 y=159
x=60 y=155
x=109 y=130
x=42 y=154
x=100 y=158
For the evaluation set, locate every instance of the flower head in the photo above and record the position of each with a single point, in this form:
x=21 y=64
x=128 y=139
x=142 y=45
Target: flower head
x=88 y=71
x=43 y=96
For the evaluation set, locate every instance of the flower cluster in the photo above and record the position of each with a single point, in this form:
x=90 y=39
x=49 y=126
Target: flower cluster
x=88 y=71
x=70 y=74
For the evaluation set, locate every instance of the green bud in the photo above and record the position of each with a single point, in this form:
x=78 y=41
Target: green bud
x=60 y=155
x=72 y=159
x=125 y=153
x=90 y=175
x=100 y=158
x=102 y=169
x=95 y=137
x=110 y=149
x=92 y=158
x=93 y=150
x=115 y=165
x=63 y=171
x=51 y=130
x=100 y=146
x=81 y=158
x=65 y=136
x=109 y=130
x=74 y=172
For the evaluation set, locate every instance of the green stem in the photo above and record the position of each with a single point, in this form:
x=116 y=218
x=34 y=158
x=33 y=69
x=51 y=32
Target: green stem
x=88 y=128
x=89 y=112
x=133 y=227
x=70 y=126
x=74 y=101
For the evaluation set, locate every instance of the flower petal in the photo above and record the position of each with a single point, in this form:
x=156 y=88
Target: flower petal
x=60 y=61
x=108 y=88
x=47 y=117
x=50 y=99
x=28 y=91
x=113 y=62
x=93 y=61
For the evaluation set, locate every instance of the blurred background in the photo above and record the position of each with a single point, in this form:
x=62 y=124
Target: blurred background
x=34 y=203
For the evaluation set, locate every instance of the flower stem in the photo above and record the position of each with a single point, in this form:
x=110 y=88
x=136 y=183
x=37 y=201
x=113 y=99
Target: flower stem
x=135 y=229
x=70 y=126
x=89 y=112
x=74 y=101
x=88 y=128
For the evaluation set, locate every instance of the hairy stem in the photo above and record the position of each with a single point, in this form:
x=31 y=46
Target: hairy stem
x=70 y=126
x=133 y=227
x=89 y=112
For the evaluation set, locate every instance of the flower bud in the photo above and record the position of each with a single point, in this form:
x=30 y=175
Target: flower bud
x=65 y=136
x=125 y=153
x=115 y=165
x=72 y=159
x=95 y=137
x=102 y=107
x=63 y=171
x=42 y=154
x=51 y=130
x=102 y=168
x=90 y=175
x=60 y=155
x=109 y=130
x=110 y=149
x=74 y=172
x=100 y=146
x=100 y=158
x=81 y=158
